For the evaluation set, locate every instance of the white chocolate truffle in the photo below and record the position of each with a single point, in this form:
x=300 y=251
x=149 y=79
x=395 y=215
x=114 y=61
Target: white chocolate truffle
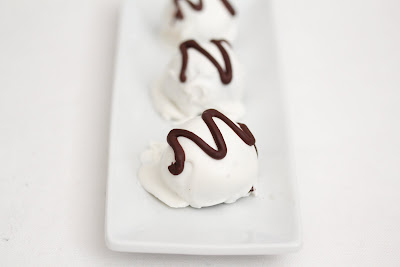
x=201 y=20
x=204 y=180
x=214 y=78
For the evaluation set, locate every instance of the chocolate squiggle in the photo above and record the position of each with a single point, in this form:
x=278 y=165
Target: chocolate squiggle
x=243 y=132
x=225 y=75
x=199 y=6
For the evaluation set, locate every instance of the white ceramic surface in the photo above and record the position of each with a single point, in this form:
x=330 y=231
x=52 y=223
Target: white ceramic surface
x=138 y=222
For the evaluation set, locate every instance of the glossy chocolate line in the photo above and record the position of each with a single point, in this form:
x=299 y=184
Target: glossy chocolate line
x=229 y=7
x=199 y=6
x=225 y=75
x=243 y=132
x=179 y=15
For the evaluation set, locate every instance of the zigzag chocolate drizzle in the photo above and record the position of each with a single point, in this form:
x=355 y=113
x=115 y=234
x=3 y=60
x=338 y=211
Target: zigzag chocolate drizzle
x=225 y=75
x=199 y=6
x=243 y=132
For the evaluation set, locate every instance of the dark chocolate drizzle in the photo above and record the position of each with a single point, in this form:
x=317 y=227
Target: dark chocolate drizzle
x=225 y=75
x=199 y=6
x=243 y=132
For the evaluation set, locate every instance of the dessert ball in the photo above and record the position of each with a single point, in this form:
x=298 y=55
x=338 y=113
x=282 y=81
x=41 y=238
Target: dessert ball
x=200 y=76
x=201 y=20
x=208 y=160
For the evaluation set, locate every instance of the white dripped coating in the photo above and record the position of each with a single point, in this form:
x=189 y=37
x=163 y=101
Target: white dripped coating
x=150 y=176
x=203 y=89
x=204 y=181
x=214 y=21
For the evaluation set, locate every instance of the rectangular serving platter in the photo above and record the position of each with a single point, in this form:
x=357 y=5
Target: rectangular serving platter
x=138 y=222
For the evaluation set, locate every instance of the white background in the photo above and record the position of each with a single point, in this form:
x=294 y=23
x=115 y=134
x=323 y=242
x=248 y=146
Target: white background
x=340 y=68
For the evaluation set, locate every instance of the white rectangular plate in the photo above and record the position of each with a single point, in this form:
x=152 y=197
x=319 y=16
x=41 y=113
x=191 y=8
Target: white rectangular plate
x=138 y=222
